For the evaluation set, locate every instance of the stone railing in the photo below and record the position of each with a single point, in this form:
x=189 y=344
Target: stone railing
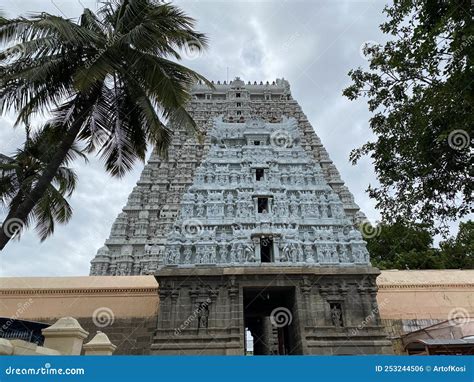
x=65 y=337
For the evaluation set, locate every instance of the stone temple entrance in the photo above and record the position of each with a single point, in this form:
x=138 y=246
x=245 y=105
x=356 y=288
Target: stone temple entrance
x=290 y=310
x=268 y=317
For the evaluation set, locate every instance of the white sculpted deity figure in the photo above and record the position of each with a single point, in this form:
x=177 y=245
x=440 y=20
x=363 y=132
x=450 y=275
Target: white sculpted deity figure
x=200 y=210
x=123 y=270
x=308 y=253
x=145 y=270
x=249 y=253
x=239 y=253
x=285 y=254
x=187 y=254
x=233 y=254
x=212 y=210
x=294 y=210
x=173 y=255
x=188 y=210
x=230 y=210
x=342 y=252
x=305 y=236
x=359 y=255
x=234 y=178
x=213 y=258
x=203 y=255
x=323 y=211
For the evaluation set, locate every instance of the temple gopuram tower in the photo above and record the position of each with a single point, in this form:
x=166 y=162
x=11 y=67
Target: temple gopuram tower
x=249 y=232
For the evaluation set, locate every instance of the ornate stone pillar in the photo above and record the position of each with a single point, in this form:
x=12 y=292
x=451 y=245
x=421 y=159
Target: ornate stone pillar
x=256 y=243
x=233 y=305
x=305 y=288
x=174 y=297
x=276 y=248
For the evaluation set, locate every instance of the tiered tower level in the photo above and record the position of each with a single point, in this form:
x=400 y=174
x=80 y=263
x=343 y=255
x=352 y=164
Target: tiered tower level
x=259 y=187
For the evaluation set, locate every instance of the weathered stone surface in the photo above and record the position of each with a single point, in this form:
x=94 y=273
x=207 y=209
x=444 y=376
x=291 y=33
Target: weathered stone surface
x=302 y=181
x=312 y=328
x=248 y=196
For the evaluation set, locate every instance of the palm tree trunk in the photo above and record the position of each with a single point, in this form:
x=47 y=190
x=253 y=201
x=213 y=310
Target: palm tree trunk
x=21 y=213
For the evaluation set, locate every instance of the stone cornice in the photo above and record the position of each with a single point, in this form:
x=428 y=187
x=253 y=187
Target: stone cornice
x=426 y=286
x=108 y=291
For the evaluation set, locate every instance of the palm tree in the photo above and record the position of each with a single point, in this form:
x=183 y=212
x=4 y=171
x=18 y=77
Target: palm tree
x=21 y=172
x=108 y=80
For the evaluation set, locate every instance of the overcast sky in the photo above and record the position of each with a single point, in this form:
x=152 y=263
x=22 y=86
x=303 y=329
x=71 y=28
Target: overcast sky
x=313 y=44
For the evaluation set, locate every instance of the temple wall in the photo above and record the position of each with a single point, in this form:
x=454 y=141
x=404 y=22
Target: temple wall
x=425 y=294
x=126 y=306
x=412 y=300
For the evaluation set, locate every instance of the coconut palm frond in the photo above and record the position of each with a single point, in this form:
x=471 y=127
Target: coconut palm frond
x=110 y=83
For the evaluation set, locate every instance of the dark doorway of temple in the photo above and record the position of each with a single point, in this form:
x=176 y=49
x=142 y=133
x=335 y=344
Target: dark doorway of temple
x=266 y=250
x=269 y=320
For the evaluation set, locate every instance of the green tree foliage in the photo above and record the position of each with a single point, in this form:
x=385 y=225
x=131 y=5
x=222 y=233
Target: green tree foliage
x=20 y=173
x=419 y=87
x=410 y=246
x=111 y=81
x=459 y=251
